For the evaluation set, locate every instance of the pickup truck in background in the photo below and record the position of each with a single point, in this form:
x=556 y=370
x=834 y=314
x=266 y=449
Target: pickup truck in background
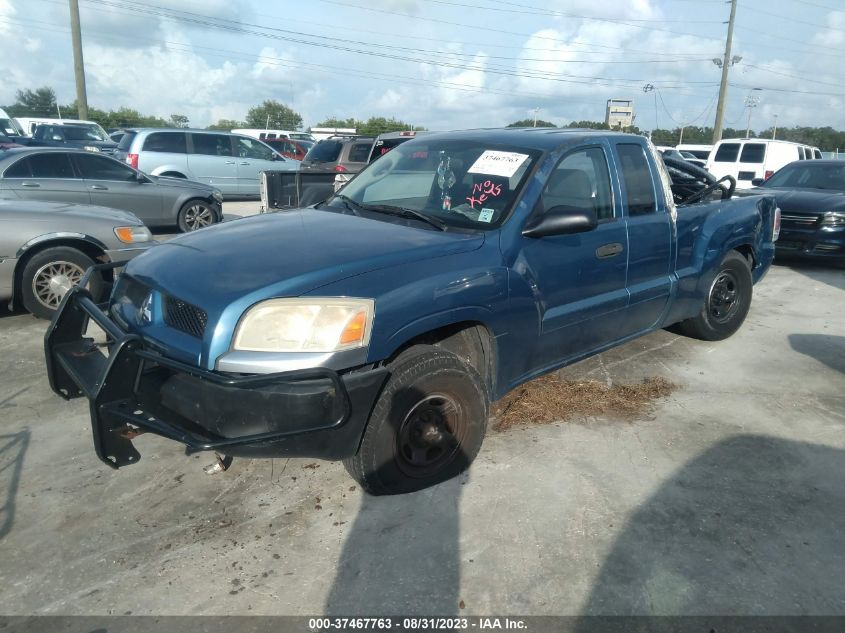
x=378 y=326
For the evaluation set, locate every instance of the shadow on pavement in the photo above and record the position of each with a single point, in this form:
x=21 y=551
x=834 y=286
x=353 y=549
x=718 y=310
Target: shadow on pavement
x=753 y=526
x=832 y=274
x=12 y=450
x=402 y=554
x=825 y=348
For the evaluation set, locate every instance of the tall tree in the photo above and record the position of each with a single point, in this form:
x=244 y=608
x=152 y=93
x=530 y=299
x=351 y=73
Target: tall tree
x=335 y=122
x=227 y=124
x=530 y=123
x=373 y=126
x=179 y=120
x=38 y=102
x=273 y=114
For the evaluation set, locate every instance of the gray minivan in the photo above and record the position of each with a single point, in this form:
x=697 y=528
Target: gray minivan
x=230 y=162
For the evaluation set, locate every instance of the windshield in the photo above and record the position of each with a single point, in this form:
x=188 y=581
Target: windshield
x=809 y=176
x=85 y=133
x=459 y=183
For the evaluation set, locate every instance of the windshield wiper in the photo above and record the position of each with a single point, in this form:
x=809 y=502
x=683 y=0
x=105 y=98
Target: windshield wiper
x=403 y=212
x=348 y=202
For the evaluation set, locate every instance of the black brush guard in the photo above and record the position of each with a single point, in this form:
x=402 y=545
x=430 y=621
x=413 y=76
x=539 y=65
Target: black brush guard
x=135 y=388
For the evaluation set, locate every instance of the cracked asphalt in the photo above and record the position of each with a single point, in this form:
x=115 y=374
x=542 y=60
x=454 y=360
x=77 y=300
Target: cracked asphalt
x=726 y=499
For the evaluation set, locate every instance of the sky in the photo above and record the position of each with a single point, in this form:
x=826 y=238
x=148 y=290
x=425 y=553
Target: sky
x=441 y=64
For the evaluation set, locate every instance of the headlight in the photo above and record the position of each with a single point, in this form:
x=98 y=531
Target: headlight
x=834 y=218
x=306 y=325
x=91 y=148
x=133 y=234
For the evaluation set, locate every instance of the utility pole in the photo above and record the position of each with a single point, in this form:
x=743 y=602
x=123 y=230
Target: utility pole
x=78 y=63
x=536 y=111
x=723 y=86
x=775 y=129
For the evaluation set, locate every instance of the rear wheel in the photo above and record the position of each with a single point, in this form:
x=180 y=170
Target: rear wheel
x=427 y=426
x=50 y=274
x=728 y=301
x=196 y=214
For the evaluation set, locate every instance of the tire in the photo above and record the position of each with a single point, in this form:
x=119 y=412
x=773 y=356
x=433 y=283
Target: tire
x=727 y=303
x=196 y=214
x=48 y=275
x=426 y=427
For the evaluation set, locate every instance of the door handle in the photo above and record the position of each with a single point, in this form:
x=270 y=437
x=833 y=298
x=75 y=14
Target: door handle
x=244 y=163
x=230 y=162
x=99 y=188
x=609 y=250
x=30 y=184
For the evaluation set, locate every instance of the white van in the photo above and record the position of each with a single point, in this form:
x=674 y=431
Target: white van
x=747 y=159
x=9 y=125
x=30 y=123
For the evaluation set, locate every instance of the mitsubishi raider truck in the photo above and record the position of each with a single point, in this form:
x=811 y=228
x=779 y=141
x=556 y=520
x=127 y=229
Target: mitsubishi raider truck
x=377 y=327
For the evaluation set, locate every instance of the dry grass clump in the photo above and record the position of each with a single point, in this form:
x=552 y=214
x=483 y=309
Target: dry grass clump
x=549 y=399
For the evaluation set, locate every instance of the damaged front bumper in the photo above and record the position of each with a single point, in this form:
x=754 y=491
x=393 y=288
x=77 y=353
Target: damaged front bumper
x=133 y=388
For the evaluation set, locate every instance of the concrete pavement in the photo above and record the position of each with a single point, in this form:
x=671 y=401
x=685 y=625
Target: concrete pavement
x=727 y=499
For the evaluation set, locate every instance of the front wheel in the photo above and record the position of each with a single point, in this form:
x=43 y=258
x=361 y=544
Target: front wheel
x=196 y=214
x=50 y=274
x=427 y=426
x=727 y=303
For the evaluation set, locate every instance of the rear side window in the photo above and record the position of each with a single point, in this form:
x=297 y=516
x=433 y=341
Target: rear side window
x=212 y=144
x=169 y=142
x=727 y=153
x=19 y=170
x=360 y=152
x=753 y=153
x=817 y=154
x=324 y=152
x=51 y=165
x=639 y=183
x=126 y=141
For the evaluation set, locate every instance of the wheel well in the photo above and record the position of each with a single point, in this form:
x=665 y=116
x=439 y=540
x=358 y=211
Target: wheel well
x=91 y=250
x=747 y=251
x=470 y=341
x=173 y=174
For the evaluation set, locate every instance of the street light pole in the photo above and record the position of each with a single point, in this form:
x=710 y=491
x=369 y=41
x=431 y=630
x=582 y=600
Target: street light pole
x=723 y=86
x=775 y=129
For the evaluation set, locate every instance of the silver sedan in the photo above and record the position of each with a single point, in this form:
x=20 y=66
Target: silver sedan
x=46 y=247
x=82 y=177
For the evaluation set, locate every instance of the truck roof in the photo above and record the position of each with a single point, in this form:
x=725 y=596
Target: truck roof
x=540 y=138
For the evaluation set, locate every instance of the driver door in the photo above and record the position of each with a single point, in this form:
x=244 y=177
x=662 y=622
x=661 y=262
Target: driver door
x=578 y=279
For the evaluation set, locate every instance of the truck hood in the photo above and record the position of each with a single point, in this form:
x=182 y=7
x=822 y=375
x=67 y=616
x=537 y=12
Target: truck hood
x=806 y=200
x=285 y=254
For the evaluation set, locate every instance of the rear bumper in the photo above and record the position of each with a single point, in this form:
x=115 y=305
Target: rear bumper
x=133 y=389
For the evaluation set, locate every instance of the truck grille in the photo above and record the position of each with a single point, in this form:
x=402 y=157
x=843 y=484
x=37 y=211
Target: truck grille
x=185 y=317
x=800 y=220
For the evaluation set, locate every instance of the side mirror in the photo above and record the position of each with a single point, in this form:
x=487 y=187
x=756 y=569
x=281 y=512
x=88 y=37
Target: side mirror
x=56 y=137
x=142 y=177
x=561 y=220
x=757 y=181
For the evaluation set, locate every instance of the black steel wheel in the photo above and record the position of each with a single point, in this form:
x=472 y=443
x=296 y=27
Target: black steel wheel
x=728 y=301
x=426 y=427
x=196 y=214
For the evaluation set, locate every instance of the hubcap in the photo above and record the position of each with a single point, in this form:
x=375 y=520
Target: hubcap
x=52 y=281
x=198 y=216
x=430 y=436
x=724 y=297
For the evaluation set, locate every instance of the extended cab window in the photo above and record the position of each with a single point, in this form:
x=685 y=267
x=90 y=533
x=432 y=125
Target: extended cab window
x=51 y=165
x=170 y=142
x=753 y=153
x=727 y=153
x=95 y=167
x=581 y=181
x=638 y=179
x=212 y=144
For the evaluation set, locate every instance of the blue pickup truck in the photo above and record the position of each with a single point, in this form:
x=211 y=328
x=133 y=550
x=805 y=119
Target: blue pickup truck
x=378 y=326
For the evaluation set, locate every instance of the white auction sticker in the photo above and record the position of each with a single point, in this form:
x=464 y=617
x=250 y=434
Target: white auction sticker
x=496 y=163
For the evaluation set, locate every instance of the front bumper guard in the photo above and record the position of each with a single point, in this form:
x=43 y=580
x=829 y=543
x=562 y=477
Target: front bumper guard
x=135 y=389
